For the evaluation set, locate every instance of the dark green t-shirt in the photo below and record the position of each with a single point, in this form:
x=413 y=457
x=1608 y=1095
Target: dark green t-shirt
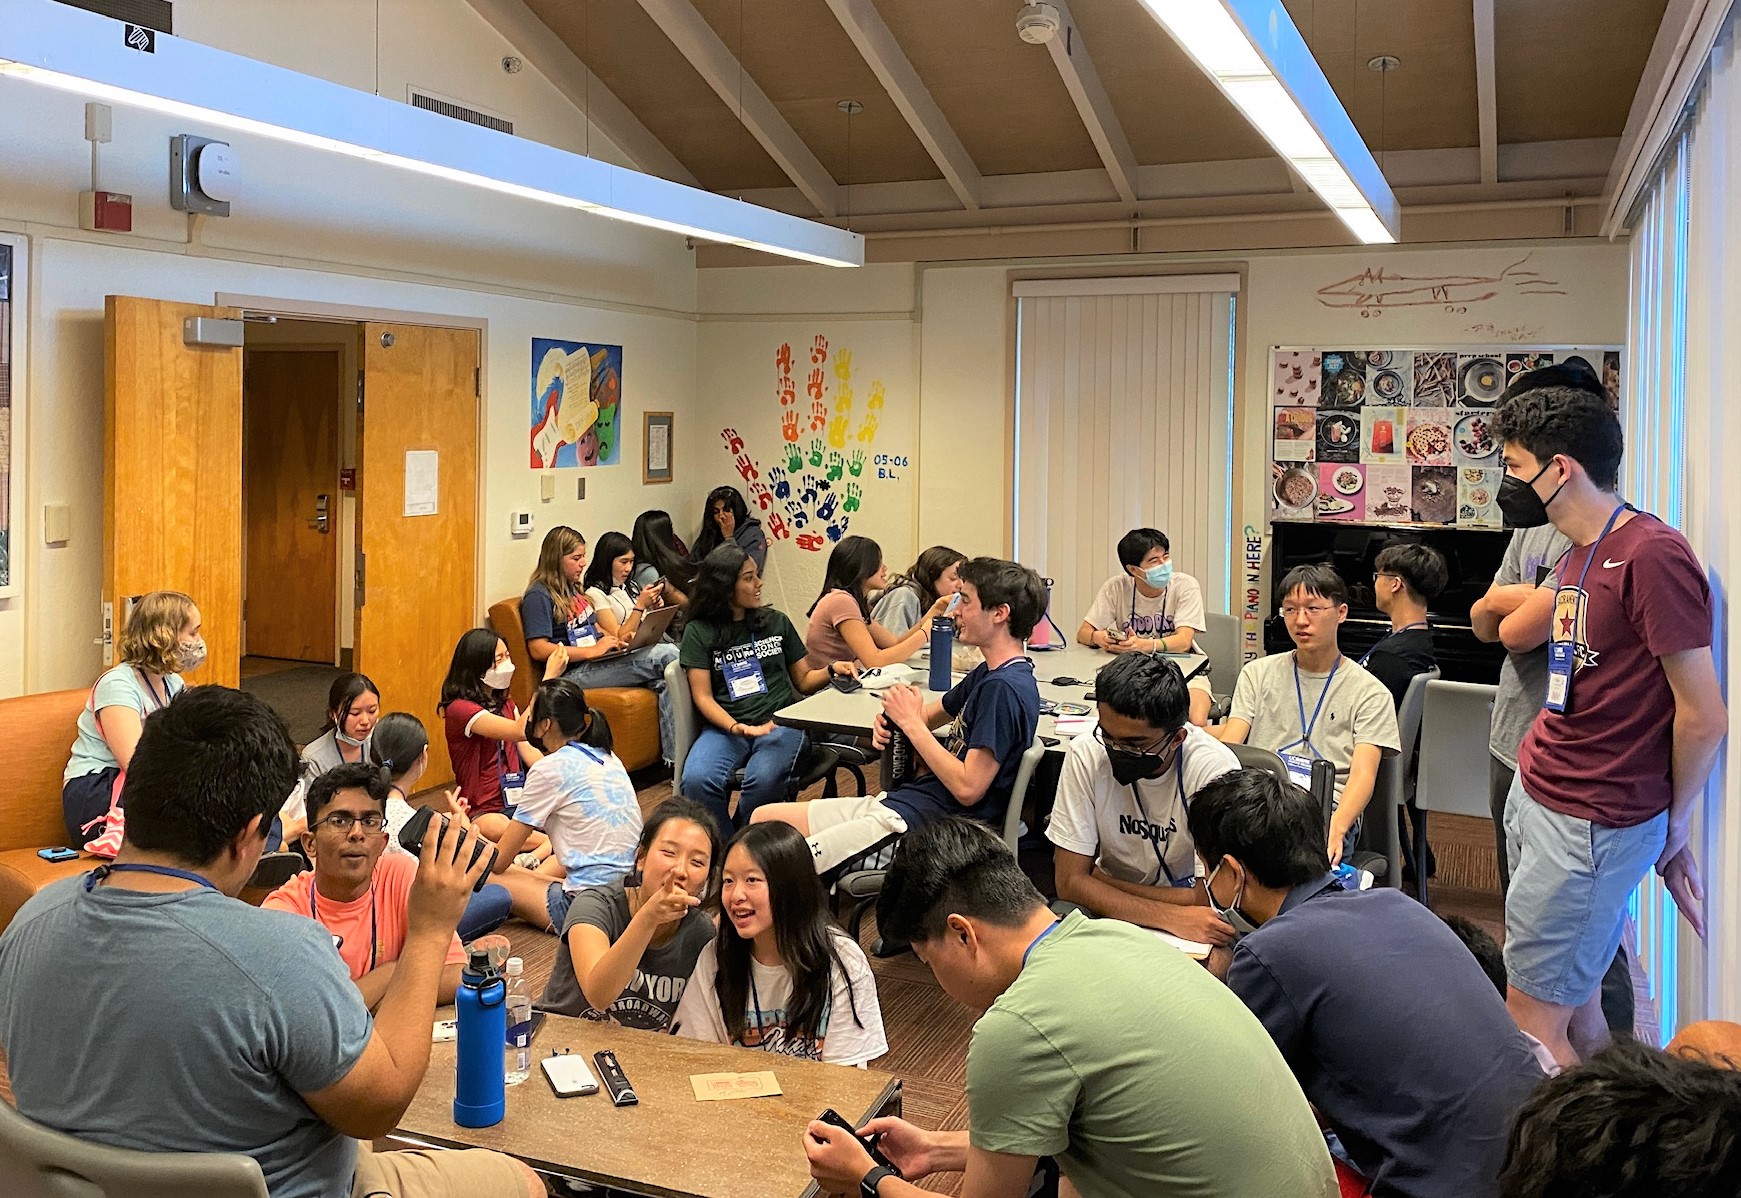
x=774 y=647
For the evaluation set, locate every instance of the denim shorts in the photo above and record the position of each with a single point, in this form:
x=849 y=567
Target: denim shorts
x=1571 y=880
x=556 y=900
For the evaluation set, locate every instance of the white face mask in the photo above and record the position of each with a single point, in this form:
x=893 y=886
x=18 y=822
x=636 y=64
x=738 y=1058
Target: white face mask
x=191 y=655
x=496 y=677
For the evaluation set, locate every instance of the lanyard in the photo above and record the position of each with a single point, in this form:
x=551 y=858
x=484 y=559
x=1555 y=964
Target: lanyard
x=1606 y=529
x=1387 y=636
x=587 y=750
x=1155 y=843
x=338 y=942
x=1035 y=942
x=756 y=1003
x=1299 y=696
x=158 y=702
x=103 y=871
x=1160 y=615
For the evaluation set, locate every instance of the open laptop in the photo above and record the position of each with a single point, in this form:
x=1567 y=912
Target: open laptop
x=651 y=628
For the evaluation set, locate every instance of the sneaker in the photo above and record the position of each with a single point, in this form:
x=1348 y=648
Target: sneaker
x=108 y=842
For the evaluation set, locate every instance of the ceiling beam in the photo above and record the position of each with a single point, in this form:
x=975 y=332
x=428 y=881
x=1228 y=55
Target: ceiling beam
x=696 y=41
x=883 y=54
x=533 y=40
x=1082 y=81
x=1487 y=103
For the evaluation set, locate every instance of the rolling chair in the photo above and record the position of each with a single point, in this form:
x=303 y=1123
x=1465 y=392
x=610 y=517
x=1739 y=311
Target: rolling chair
x=1382 y=832
x=1220 y=642
x=1455 y=720
x=817 y=764
x=39 y=1162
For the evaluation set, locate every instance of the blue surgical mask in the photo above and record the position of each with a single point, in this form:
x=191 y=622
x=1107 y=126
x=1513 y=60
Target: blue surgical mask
x=1235 y=919
x=1160 y=577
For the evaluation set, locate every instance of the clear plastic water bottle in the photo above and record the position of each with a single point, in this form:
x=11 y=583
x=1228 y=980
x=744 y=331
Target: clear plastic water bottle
x=518 y=1061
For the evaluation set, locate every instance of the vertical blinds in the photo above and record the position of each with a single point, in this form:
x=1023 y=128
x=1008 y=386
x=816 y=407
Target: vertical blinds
x=1123 y=419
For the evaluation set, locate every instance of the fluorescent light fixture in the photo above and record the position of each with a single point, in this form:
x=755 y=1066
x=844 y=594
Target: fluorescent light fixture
x=53 y=44
x=1255 y=55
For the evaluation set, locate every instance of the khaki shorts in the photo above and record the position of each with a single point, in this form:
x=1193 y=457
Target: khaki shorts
x=830 y=813
x=437 y=1173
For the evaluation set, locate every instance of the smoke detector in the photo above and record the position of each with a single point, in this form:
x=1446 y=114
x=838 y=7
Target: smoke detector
x=1038 y=23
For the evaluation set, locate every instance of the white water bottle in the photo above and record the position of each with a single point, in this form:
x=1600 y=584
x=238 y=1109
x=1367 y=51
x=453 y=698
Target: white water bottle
x=518 y=1060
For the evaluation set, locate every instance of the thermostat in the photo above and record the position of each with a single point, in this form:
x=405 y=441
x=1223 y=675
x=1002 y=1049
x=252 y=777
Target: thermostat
x=520 y=524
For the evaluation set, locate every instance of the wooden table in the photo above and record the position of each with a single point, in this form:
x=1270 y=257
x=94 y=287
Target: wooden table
x=829 y=710
x=670 y=1145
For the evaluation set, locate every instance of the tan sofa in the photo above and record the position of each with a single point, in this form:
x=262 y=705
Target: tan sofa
x=36 y=735
x=633 y=711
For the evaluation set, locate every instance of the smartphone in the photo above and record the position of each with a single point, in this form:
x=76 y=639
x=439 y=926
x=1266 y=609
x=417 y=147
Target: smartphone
x=411 y=840
x=61 y=854
x=846 y=684
x=833 y=1118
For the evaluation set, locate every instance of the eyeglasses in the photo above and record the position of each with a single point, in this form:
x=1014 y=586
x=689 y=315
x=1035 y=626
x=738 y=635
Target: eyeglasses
x=1155 y=748
x=341 y=821
x=1314 y=610
x=1385 y=574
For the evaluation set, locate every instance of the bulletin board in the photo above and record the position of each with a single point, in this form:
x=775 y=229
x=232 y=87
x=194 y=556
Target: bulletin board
x=1398 y=436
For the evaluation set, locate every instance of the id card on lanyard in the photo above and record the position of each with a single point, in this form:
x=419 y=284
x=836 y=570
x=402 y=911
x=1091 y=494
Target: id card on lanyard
x=1563 y=655
x=743 y=676
x=1161 y=870
x=1300 y=765
x=513 y=781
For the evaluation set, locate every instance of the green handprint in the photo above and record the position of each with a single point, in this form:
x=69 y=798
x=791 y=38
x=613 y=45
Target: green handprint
x=794 y=459
x=853 y=495
x=815 y=453
x=855 y=464
x=836 y=467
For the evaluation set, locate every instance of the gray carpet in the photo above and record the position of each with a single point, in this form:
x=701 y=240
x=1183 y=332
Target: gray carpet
x=298 y=695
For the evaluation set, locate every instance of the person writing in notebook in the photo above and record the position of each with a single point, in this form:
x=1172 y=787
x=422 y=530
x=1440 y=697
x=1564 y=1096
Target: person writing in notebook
x=1315 y=704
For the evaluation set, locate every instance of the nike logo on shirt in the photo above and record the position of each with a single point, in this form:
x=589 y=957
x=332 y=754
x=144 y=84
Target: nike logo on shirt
x=1609 y=565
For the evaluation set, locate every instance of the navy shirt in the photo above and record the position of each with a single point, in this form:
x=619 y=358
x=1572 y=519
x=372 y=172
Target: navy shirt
x=1395 y=1035
x=538 y=618
x=996 y=710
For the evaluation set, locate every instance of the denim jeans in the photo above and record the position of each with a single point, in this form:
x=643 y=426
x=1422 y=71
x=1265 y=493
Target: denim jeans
x=768 y=763
x=485 y=911
x=643 y=667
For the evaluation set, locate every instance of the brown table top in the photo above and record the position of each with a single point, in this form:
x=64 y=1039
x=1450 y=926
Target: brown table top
x=670 y=1145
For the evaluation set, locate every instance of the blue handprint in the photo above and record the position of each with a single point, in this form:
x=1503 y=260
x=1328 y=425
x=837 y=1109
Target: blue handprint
x=826 y=511
x=782 y=487
x=808 y=495
x=836 y=531
x=799 y=516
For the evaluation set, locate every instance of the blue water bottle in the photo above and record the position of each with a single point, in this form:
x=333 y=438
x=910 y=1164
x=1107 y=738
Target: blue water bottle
x=942 y=647
x=479 y=1088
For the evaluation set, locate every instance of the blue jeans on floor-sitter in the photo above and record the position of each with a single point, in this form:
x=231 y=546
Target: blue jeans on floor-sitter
x=485 y=911
x=768 y=763
x=643 y=667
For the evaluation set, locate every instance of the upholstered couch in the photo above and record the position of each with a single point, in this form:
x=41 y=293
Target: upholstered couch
x=36 y=735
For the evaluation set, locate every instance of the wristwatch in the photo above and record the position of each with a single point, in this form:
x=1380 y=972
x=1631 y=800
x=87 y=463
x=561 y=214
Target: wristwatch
x=868 y=1187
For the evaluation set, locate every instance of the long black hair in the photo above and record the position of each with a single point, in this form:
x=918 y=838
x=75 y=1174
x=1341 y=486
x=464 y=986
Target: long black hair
x=564 y=700
x=399 y=740
x=475 y=653
x=710 y=598
x=346 y=690
x=803 y=933
x=655 y=543
x=609 y=548
x=710 y=537
x=850 y=566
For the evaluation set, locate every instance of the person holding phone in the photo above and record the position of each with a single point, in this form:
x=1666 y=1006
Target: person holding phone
x=841 y=627
x=619 y=602
x=660 y=556
x=630 y=945
x=1149 y=607
x=936 y=574
x=780 y=976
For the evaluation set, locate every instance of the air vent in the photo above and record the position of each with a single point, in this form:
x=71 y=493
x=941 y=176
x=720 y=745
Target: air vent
x=153 y=14
x=460 y=112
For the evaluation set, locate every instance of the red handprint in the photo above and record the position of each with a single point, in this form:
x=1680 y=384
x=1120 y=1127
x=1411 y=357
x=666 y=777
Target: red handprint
x=783 y=358
x=811 y=541
x=777 y=528
x=746 y=467
x=818 y=415
x=819 y=349
x=733 y=442
x=788 y=391
x=789 y=426
x=814 y=388
x=759 y=492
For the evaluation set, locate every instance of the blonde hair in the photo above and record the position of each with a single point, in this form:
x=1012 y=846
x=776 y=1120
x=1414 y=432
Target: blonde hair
x=154 y=630
x=559 y=542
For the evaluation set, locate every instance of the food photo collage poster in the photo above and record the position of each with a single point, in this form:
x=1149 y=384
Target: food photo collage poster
x=1398 y=436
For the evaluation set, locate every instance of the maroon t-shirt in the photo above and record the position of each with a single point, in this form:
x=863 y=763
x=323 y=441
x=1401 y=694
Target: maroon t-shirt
x=1606 y=759
x=477 y=760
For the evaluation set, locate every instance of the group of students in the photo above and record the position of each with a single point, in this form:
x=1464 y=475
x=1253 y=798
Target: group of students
x=1420 y=1050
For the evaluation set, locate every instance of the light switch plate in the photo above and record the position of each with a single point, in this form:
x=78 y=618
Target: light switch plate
x=57 y=523
x=547 y=486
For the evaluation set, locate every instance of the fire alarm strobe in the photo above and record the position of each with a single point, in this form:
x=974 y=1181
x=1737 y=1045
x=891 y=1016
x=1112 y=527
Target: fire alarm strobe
x=106 y=211
x=202 y=174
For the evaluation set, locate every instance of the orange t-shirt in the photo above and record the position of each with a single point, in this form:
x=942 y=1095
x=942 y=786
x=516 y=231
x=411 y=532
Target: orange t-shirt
x=384 y=908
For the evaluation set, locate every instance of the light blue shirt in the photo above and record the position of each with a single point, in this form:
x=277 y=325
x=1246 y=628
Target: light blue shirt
x=122 y=686
x=583 y=800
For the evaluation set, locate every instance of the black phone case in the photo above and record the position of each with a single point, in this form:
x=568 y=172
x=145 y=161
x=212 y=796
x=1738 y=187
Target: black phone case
x=834 y=1118
x=411 y=840
x=611 y=1075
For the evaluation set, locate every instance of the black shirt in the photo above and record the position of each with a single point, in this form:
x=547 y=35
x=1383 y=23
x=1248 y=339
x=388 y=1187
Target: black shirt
x=1397 y=658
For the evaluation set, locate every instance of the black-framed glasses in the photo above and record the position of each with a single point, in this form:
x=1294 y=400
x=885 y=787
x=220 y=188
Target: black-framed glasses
x=1155 y=748
x=341 y=821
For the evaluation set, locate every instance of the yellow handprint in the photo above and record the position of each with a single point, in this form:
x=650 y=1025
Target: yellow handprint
x=837 y=432
x=867 y=431
x=876 y=399
x=843 y=364
x=843 y=399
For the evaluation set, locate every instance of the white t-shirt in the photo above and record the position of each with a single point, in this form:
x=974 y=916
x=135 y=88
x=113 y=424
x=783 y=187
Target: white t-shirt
x=583 y=800
x=844 y=1041
x=1120 y=606
x=1358 y=710
x=617 y=601
x=1140 y=837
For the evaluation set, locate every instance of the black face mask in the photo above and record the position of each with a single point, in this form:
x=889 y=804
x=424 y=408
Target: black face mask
x=1130 y=768
x=1520 y=506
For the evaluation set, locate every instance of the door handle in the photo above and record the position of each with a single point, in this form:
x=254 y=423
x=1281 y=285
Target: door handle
x=322 y=514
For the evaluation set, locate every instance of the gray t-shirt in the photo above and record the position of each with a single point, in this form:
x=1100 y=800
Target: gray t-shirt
x=1523 y=677
x=199 y=1023
x=651 y=1000
x=897 y=609
x=1356 y=711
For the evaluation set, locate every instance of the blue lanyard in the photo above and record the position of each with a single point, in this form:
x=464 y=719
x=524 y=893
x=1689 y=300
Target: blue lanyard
x=103 y=871
x=1387 y=636
x=1035 y=942
x=1155 y=844
x=587 y=750
x=158 y=703
x=1160 y=615
x=338 y=942
x=1606 y=529
x=1299 y=696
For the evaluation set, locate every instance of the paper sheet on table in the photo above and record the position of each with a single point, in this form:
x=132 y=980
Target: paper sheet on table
x=716 y=1087
x=1073 y=726
x=1194 y=949
x=886 y=676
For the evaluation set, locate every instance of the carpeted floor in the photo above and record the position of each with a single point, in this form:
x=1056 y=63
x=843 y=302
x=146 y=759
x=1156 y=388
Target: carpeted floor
x=295 y=690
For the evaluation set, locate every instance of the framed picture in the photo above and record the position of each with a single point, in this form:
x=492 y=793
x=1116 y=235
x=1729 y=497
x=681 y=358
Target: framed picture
x=656 y=448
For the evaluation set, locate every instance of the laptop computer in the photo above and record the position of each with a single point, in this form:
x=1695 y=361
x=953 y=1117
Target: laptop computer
x=652 y=626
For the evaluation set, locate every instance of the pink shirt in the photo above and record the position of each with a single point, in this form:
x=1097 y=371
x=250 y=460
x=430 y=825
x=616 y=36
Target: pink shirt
x=381 y=914
x=822 y=638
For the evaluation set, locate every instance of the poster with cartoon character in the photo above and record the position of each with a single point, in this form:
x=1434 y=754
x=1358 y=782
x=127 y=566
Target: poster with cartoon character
x=576 y=404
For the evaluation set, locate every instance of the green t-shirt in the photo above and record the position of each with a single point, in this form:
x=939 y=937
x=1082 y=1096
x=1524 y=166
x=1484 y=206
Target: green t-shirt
x=774 y=648
x=1141 y=1073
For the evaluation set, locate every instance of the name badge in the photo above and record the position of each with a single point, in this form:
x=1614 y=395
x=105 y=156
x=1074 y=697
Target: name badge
x=513 y=782
x=1299 y=769
x=338 y=943
x=1562 y=656
x=743 y=678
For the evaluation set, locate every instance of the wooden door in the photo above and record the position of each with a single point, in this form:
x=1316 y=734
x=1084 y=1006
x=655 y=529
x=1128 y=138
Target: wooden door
x=172 y=478
x=419 y=572
x=290 y=439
